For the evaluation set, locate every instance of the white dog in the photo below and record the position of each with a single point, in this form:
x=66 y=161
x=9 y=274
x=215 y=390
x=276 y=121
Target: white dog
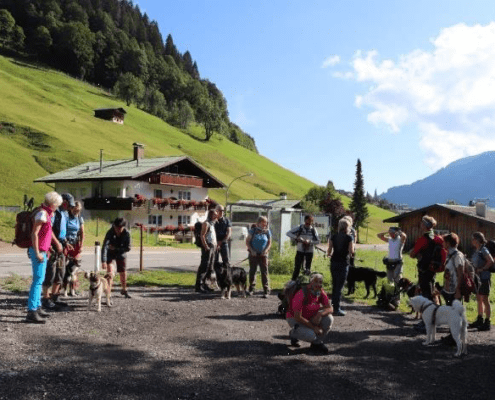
x=454 y=316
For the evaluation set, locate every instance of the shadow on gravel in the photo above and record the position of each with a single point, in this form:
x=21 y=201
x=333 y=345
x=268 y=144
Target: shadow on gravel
x=246 y=317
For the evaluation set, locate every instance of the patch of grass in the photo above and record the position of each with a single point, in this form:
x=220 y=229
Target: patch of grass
x=15 y=283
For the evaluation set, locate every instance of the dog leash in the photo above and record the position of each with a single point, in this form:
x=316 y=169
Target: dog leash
x=240 y=262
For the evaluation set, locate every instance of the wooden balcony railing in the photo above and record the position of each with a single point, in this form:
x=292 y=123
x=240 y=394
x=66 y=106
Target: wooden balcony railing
x=176 y=180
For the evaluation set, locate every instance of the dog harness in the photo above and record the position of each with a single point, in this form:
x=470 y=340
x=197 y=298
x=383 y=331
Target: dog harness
x=93 y=290
x=434 y=316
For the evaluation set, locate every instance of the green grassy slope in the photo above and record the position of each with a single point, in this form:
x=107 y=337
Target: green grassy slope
x=61 y=131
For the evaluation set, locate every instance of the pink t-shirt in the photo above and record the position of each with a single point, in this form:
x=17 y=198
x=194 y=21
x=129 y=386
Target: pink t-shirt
x=312 y=306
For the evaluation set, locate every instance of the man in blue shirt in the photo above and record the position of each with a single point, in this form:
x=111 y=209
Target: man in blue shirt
x=55 y=267
x=258 y=242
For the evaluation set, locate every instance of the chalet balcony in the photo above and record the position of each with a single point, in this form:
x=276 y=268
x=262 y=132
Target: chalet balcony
x=108 y=203
x=176 y=180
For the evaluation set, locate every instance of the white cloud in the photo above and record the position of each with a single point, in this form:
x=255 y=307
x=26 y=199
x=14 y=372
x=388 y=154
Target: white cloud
x=447 y=92
x=331 y=61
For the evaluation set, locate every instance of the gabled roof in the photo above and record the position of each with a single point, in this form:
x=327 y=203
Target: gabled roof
x=123 y=169
x=111 y=109
x=464 y=210
x=273 y=204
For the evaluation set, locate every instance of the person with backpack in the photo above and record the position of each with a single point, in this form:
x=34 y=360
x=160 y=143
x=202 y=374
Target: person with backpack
x=340 y=250
x=310 y=315
x=75 y=237
x=454 y=272
x=41 y=239
x=55 y=268
x=116 y=245
x=482 y=261
x=431 y=257
x=208 y=240
x=223 y=230
x=258 y=242
x=306 y=237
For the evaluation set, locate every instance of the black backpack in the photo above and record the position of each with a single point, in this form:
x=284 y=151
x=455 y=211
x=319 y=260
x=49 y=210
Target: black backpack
x=434 y=257
x=197 y=234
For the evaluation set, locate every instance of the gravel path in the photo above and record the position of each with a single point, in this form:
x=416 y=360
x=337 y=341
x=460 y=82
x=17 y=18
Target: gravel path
x=170 y=343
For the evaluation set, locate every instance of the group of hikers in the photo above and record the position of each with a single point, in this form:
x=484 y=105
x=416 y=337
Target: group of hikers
x=57 y=238
x=58 y=234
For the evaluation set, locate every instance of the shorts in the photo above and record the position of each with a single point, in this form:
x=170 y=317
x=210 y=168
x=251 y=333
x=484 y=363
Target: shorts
x=55 y=269
x=484 y=288
x=120 y=261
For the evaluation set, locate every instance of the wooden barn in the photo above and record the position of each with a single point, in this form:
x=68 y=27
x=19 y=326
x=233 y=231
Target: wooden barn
x=116 y=115
x=461 y=220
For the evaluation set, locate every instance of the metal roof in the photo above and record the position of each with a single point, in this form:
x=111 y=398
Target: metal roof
x=465 y=210
x=271 y=204
x=120 y=169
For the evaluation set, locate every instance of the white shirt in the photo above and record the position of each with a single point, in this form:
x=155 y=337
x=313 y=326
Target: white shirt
x=395 y=247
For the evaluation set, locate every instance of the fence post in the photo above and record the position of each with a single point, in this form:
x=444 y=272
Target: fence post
x=97 y=256
x=141 y=248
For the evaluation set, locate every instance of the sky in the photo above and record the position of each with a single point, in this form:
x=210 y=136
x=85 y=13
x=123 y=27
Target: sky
x=405 y=86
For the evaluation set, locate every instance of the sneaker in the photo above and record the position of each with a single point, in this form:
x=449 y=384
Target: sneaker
x=42 y=313
x=250 y=291
x=339 y=313
x=319 y=348
x=477 y=323
x=34 y=318
x=293 y=341
x=266 y=294
x=485 y=326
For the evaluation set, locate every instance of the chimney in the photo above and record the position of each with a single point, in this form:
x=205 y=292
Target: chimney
x=138 y=152
x=481 y=209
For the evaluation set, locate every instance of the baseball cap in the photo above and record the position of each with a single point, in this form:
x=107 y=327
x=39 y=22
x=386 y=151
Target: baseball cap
x=69 y=199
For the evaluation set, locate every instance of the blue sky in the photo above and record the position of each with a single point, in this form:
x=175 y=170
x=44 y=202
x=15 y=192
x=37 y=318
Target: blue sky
x=405 y=86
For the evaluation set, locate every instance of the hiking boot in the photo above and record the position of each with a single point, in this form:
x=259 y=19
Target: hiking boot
x=48 y=304
x=485 y=326
x=293 y=341
x=266 y=293
x=319 y=348
x=42 y=313
x=34 y=318
x=250 y=291
x=125 y=294
x=477 y=323
x=339 y=313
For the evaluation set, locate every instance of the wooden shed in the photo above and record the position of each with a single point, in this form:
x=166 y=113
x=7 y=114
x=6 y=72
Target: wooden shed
x=462 y=220
x=116 y=115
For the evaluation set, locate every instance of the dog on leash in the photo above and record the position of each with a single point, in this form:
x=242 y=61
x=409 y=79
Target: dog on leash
x=433 y=315
x=359 y=274
x=99 y=285
x=413 y=289
x=227 y=276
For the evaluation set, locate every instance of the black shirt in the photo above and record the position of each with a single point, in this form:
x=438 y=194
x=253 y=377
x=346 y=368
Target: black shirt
x=221 y=227
x=340 y=242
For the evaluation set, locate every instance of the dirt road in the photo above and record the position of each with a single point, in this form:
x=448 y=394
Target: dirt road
x=170 y=343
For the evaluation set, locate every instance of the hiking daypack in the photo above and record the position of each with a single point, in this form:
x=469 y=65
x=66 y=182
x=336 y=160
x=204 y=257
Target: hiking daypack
x=290 y=289
x=467 y=284
x=197 y=233
x=24 y=222
x=299 y=231
x=490 y=245
x=434 y=256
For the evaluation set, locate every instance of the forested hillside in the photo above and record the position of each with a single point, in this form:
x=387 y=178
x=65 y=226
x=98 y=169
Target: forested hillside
x=110 y=43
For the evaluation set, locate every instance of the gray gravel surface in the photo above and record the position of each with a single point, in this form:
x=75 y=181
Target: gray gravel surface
x=170 y=343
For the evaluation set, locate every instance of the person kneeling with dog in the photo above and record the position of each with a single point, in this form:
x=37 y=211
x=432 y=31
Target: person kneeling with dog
x=310 y=315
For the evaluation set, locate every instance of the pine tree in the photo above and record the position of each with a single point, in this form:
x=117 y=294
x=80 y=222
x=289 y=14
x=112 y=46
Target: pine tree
x=358 y=203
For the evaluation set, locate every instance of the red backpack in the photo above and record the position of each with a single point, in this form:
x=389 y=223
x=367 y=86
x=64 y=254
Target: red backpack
x=24 y=222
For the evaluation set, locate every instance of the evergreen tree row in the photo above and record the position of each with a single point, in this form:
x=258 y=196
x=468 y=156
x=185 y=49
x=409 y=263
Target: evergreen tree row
x=112 y=44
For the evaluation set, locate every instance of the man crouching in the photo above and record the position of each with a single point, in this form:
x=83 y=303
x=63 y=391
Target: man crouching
x=310 y=315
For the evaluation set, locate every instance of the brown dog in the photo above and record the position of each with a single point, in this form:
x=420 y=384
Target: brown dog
x=97 y=286
x=412 y=290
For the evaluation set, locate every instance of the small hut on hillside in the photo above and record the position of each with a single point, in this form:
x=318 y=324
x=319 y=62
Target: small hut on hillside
x=462 y=220
x=116 y=115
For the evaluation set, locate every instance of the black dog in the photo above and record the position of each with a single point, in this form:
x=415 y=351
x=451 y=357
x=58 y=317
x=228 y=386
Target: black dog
x=363 y=274
x=227 y=276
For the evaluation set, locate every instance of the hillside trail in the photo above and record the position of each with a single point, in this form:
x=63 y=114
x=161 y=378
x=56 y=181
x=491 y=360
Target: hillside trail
x=171 y=343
